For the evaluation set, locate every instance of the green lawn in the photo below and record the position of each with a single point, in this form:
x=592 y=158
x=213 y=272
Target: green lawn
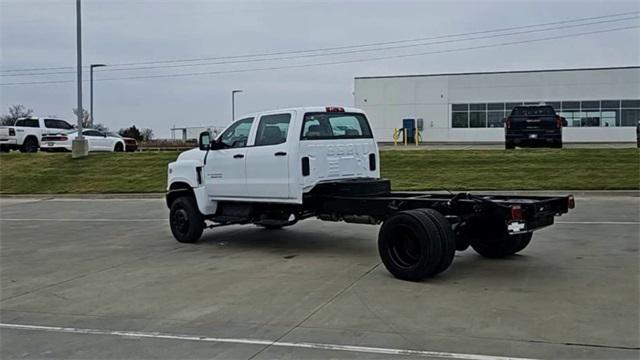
x=579 y=169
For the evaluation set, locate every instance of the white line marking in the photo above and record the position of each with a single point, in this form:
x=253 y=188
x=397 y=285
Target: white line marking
x=600 y=222
x=88 y=220
x=306 y=345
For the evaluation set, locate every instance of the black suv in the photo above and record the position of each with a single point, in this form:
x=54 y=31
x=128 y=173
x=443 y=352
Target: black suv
x=533 y=125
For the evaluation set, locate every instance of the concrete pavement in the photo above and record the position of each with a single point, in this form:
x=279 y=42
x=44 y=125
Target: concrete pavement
x=103 y=278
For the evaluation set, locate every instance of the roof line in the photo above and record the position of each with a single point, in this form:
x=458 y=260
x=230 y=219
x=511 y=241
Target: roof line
x=500 y=72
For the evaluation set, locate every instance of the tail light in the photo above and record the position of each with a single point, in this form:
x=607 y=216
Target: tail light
x=558 y=122
x=571 y=202
x=12 y=132
x=508 y=122
x=516 y=212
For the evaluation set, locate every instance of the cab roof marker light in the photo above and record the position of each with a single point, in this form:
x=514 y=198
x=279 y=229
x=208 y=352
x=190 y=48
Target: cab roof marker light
x=334 y=109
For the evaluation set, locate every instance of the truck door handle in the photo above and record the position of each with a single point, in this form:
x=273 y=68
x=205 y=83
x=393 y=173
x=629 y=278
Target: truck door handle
x=238 y=156
x=280 y=153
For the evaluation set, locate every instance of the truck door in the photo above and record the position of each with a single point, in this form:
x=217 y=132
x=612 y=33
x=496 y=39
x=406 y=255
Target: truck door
x=225 y=170
x=268 y=158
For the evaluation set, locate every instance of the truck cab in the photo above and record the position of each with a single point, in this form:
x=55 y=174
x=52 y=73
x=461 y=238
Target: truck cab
x=277 y=156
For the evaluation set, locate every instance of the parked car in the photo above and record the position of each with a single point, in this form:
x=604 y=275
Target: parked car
x=130 y=144
x=26 y=134
x=98 y=141
x=533 y=125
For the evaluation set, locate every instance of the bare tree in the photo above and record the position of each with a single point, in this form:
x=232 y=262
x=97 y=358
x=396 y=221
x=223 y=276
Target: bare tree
x=85 y=117
x=146 y=134
x=15 y=112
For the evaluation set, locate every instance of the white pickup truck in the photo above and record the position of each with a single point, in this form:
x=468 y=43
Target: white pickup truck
x=27 y=133
x=275 y=168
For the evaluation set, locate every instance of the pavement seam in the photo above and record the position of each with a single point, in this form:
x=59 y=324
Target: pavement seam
x=317 y=309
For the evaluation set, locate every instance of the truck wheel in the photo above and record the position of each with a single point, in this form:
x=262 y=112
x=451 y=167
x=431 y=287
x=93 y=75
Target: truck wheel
x=30 y=145
x=118 y=148
x=410 y=245
x=185 y=219
x=502 y=247
x=447 y=235
x=509 y=145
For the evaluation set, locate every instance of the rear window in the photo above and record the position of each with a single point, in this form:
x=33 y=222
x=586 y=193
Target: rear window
x=322 y=126
x=57 y=124
x=28 y=123
x=533 y=111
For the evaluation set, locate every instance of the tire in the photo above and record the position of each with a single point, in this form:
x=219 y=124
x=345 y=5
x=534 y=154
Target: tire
x=505 y=246
x=410 y=245
x=4 y=149
x=30 y=145
x=558 y=145
x=118 y=148
x=509 y=145
x=447 y=235
x=185 y=220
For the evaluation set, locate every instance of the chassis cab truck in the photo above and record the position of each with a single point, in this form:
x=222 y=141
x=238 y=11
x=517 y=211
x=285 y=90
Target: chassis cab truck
x=275 y=168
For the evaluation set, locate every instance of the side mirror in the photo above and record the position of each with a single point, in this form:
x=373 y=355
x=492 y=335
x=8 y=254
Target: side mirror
x=564 y=122
x=204 y=141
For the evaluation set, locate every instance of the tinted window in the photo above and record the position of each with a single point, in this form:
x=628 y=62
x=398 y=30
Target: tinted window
x=626 y=104
x=496 y=106
x=480 y=107
x=460 y=107
x=57 y=124
x=590 y=105
x=610 y=104
x=237 y=134
x=630 y=117
x=273 y=129
x=532 y=111
x=570 y=105
x=335 y=126
x=28 y=123
x=460 y=120
x=92 y=133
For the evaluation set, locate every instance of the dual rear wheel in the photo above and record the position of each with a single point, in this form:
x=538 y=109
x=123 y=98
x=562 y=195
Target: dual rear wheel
x=418 y=244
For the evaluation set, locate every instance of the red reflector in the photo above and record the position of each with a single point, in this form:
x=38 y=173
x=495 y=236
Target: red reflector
x=334 y=109
x=571 y=202
x=516 y=212
x=558 y=122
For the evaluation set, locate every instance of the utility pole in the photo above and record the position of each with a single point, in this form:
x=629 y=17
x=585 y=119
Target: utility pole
x=233 y=104
x=91 y=90
x=79 y=145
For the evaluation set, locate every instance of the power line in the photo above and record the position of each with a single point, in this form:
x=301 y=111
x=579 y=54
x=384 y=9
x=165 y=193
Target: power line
x=342 y=47
x=337 y=62
x=338 y=53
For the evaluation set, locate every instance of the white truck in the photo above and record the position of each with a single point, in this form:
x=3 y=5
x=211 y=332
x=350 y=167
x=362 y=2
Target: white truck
x=26 y=134
x=275 y=168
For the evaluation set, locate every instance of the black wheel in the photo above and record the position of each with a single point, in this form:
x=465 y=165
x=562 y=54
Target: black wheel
x=118 y=147
x=4 y=149
x=502 y=247
x=30 y=145
x=558 y=145
x=447 y=236
x=185 y=219
x=509 y=145
x=410 y=245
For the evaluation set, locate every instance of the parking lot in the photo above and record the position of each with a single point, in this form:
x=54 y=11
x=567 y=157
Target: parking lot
x=103 y=278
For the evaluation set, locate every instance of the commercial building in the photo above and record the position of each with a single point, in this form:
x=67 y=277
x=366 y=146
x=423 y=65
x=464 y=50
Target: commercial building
x=600 y=104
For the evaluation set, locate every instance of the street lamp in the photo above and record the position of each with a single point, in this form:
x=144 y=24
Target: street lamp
x=233 y=104
x=91 y=90
x=79 y=145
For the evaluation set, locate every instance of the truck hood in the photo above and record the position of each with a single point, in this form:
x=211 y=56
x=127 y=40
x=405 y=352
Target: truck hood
x=193 y=154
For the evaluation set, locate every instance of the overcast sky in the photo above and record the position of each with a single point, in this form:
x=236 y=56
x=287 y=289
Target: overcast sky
x=37 y=34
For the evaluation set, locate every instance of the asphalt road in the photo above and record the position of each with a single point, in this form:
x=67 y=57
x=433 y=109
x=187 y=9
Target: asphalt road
x=101 y=278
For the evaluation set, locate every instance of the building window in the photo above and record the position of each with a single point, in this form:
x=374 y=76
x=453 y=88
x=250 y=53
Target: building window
x=588 y=113
x=460 y=119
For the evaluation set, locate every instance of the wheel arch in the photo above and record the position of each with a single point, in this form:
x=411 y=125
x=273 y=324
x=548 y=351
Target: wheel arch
x=177 y=189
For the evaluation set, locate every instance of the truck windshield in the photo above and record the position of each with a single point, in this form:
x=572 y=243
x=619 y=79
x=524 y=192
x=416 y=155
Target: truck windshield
x=533 y=111
x=319 y=126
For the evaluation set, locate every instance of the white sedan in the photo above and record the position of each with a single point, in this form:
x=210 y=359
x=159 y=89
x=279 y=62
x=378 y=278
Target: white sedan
x=98 y=141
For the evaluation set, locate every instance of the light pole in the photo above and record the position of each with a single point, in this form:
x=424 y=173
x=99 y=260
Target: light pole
x=91 y=90
x=79 y=145
x=233 y=104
